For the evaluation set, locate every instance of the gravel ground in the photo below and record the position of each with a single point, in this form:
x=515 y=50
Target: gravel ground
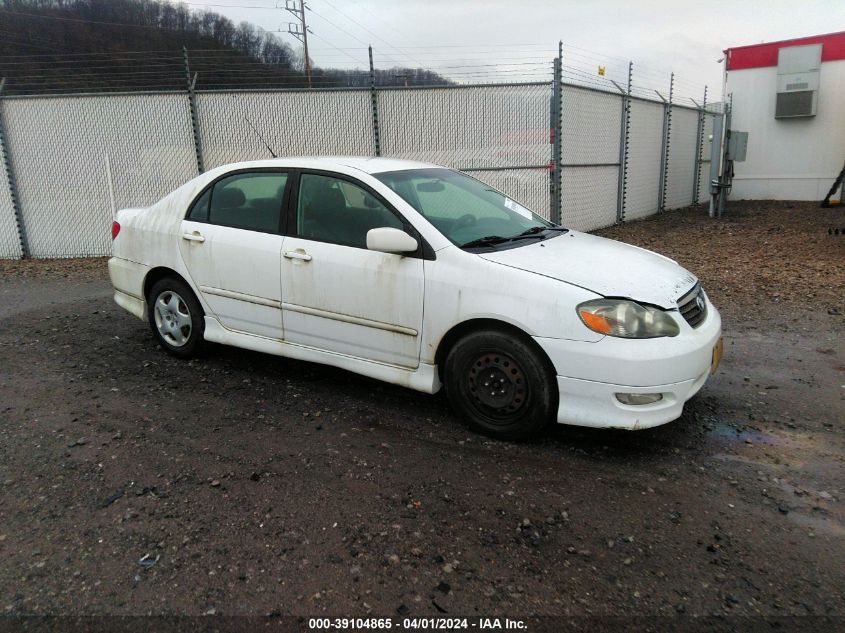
x=245 y=484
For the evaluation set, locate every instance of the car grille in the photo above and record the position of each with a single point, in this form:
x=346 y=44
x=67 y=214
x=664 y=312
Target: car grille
x=693 y=306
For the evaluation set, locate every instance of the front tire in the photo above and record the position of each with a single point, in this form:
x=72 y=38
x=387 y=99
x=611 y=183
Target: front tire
x=176 y=317
x=500 y=384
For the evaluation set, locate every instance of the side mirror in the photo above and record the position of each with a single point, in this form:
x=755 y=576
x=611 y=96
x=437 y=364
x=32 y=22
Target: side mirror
x=388 y=240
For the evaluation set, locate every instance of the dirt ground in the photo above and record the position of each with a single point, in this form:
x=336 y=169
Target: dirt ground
x=245 y=484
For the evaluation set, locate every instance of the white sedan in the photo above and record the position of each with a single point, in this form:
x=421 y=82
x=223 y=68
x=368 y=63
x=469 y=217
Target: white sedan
x=424 y=277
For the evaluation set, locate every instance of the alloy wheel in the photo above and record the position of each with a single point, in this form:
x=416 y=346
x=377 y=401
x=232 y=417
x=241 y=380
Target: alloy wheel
x=173 y=318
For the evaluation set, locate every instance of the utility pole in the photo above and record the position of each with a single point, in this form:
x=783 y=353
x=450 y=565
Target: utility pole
x=300 y=30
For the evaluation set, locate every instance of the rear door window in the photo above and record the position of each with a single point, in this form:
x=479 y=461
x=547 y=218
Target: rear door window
x=248 y=200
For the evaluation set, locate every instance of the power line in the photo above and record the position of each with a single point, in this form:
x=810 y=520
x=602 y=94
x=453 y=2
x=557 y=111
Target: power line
x=18 y=39
x=174 y=52
x=349 y=17
x=347 y=54
x=86 y=21
x=27 y=44
x=384 y=22
x=298 y=11
x=438 y=46
x=229 y=6
x=341 y=29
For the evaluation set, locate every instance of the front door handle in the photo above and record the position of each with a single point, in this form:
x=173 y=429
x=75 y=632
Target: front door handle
x=196 y=236
x=298 y=254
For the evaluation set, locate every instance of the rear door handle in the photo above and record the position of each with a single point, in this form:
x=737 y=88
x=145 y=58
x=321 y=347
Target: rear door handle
x=298 y=254
x=196 y=236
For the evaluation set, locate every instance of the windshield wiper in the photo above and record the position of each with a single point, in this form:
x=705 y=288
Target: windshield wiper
x=492 y=240
x=539 y=229
x=488 y=240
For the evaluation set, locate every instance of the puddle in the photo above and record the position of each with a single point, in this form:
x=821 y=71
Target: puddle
x=829 y=524
x=727 y=433
x=806 y=469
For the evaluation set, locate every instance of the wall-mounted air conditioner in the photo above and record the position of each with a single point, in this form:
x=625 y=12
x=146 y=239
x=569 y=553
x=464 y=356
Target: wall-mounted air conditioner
x=798 y=81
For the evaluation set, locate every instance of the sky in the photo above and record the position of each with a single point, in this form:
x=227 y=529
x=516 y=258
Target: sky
x=471 y=40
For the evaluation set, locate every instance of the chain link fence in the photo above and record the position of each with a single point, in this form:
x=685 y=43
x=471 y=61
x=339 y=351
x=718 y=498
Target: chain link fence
x=467 y=127
x=10 y=241
x=590 y=132
x=682 y=158
x=644 y=159
x=497 y=133
x=611 y=166
x=58 y=150
x=234 y=126
x=530 y=187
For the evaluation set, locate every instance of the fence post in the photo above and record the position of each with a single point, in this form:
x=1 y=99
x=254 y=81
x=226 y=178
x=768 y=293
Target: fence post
x=10 y=179
x=664 y=155
x=374 y=97
x=726 y=135
x=623 y=149
x=192 y=103
x=699 y=147
x=555 y=132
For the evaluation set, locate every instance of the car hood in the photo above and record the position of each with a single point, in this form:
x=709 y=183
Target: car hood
x=606 y=267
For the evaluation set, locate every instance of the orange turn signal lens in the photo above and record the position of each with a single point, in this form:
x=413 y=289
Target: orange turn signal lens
x=595 y=322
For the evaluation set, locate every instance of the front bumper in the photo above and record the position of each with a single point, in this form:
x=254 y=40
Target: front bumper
x=590 y=403
x=591 y=374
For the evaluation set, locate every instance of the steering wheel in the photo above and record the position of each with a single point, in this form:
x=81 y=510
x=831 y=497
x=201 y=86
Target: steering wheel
x=465 y=220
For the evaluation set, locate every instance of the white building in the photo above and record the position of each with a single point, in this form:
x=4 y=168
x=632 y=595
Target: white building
x=790 y=98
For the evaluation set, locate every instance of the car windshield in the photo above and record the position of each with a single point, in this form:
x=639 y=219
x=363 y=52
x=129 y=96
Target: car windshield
x=467 y=211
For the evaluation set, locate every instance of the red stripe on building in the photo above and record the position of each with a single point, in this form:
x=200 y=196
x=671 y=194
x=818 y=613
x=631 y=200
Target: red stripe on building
x=762 y=55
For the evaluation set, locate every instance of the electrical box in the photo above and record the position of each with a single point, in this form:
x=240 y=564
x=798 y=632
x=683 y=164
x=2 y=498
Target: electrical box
x=737 y=145
x=798 y=81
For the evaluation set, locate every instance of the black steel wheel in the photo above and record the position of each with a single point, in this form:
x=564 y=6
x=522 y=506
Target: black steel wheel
x=500 y=384
x=497 y=385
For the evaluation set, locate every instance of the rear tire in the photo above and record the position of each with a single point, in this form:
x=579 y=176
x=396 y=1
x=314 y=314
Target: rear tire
x=176 y=317
x=501 y=385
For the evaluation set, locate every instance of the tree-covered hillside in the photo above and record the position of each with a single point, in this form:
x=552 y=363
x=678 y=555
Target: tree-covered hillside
x=52 y=46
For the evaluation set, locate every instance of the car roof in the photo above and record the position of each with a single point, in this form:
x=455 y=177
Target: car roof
x=366 y=164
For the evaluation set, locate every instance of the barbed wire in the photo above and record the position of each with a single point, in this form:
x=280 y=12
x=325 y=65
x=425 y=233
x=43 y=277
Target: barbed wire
x=583 y=63
x=227 y=68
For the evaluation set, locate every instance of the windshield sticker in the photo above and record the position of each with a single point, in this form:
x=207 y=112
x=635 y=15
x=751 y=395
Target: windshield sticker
x=517 y=208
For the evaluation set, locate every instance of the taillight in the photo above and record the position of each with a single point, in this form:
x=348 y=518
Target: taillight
x=115 y=229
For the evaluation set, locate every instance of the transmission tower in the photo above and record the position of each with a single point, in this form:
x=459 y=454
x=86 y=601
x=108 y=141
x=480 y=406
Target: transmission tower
x=300 y=30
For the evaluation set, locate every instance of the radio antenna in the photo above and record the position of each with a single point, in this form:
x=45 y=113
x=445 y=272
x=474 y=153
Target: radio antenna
x=111 y=186
x=272 y=153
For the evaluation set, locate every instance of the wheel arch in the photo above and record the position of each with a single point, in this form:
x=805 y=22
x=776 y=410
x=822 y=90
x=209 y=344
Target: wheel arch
x=460 y=330
x=160 y=272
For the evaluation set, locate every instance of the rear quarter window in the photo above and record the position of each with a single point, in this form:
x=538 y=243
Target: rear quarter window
x=199 y=210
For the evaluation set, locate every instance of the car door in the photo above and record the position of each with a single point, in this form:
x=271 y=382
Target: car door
x=337 y=295
x=231 y=244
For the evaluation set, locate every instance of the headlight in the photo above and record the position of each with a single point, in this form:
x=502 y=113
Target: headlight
x=626 y=319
